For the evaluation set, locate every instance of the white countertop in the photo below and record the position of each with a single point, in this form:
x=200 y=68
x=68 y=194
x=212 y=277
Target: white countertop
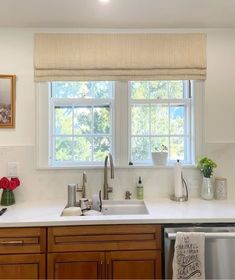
x=162 y=211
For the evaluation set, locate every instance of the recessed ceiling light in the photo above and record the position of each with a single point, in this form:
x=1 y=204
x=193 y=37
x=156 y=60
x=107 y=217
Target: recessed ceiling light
x=104 y=1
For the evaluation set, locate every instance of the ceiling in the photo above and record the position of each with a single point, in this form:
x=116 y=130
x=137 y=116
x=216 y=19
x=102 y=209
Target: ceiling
x=118 y=13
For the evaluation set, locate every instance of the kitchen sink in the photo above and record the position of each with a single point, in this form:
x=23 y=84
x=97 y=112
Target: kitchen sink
x=114 y=207
x=124 y=207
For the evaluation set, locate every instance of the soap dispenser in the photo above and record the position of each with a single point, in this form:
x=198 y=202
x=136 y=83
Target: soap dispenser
x=139 y=189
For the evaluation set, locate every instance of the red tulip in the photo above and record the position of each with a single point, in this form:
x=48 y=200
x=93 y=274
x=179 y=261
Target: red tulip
x=16 y=180
x=12 y=185
x=4 y=183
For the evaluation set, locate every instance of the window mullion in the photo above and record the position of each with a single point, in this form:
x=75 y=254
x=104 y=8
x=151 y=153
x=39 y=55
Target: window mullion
x=73 y=140
x=169 y=131
x=92 y=132
x=122 y=122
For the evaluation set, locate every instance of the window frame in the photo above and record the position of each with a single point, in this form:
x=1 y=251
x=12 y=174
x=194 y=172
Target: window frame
x=77 y=102
x=187 y=101
x=120 y=131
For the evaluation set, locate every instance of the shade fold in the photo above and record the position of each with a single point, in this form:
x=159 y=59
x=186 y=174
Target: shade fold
x=119 y=56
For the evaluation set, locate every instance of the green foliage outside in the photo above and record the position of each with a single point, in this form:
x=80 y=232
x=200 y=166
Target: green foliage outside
x=158 y=116
x=83 y=133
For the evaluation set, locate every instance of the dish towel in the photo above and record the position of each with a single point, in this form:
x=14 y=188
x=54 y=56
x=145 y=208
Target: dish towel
x=189 y=256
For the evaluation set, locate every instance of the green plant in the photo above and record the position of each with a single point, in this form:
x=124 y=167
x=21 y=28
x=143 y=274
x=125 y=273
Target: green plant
x=206 y=166
x=161 y=148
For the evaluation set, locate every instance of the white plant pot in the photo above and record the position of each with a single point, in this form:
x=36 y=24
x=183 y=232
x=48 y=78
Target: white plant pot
x=159 y=158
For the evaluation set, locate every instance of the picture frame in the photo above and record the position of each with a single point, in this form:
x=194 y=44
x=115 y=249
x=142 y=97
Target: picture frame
x=7 y=101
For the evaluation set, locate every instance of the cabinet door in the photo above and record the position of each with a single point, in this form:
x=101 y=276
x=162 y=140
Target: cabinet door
x=134 y=265
x=30 y=266
x=85 y=265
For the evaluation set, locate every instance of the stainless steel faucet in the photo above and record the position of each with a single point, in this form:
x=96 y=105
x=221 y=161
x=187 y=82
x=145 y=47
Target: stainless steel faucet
x=82 y=189
x=108 y=189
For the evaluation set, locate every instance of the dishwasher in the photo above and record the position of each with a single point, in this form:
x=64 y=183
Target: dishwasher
x=219 y=248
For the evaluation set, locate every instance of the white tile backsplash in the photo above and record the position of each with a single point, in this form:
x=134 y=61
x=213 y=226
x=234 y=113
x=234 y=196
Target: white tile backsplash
x=158 y=182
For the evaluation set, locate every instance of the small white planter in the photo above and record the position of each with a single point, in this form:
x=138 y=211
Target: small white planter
x=159 y=158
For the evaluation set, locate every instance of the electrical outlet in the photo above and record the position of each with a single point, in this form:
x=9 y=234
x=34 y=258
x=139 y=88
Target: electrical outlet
x=13 y=169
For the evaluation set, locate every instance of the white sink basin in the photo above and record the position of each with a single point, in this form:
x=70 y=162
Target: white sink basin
x=117 y=207
x=124 y=207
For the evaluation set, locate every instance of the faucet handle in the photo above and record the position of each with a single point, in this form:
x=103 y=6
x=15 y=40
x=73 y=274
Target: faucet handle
x=128 y=195
x=84 y=177
x=82 y=188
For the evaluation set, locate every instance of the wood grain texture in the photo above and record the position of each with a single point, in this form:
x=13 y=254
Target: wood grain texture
x=22 y=240
x=104 y=238
x=134 y=265
x=88 y=265
x=28 y=266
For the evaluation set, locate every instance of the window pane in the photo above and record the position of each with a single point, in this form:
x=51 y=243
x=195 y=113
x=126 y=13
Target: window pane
x=102 y=146
x=82 y=89
x=159 y=120
x=71 y=89
x=177 y=148
x=177 y=119
x=140 y=148
x=159 y=89
x=140 y=120
x=176 y=89
x=157 y=142
x=83 y=148
x=63 y=149
x=63 y=120
x=162 y=117
x=101 y=119
x=82 y=120
x=103 y=89
x=139 y=90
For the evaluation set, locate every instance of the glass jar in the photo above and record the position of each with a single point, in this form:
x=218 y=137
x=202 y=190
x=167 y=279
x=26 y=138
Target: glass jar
x=207 y=190
x=220 y=188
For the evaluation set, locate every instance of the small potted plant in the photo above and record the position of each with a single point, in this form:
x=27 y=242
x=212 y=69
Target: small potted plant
x=206 y=166
x=159 y=156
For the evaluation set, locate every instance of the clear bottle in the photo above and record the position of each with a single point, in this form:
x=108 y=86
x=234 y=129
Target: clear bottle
x=139 y=189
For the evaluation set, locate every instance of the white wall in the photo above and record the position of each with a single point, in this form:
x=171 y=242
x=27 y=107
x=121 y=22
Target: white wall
x=16 y=57
x=220 y=90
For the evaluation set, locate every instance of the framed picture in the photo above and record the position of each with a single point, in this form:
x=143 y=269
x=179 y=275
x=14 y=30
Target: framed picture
x=7 y=101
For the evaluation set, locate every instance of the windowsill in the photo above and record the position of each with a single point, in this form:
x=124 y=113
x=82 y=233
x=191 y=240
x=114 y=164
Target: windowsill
x=99 y=167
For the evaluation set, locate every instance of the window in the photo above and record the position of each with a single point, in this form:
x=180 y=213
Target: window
x=160 y=114
x=83 y=121
x=81 y=116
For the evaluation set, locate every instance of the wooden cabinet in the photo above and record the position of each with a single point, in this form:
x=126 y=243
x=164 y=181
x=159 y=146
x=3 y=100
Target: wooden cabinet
x=134 y=265
x=29 y=266
x=98 y=252
x=22 y=253
x=85 y=265
x=81 y=252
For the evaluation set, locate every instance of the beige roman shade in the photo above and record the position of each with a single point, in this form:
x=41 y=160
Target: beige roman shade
x=119 y=56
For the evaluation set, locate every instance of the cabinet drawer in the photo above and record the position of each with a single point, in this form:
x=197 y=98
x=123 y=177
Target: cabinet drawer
x=22 y=240
x=104 y=238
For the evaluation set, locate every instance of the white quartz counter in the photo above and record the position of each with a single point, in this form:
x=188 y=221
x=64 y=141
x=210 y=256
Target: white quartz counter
x=47 y=213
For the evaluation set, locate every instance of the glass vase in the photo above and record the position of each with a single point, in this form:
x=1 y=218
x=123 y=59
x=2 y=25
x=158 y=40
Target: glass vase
x=7 y=198
x=207 y=190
